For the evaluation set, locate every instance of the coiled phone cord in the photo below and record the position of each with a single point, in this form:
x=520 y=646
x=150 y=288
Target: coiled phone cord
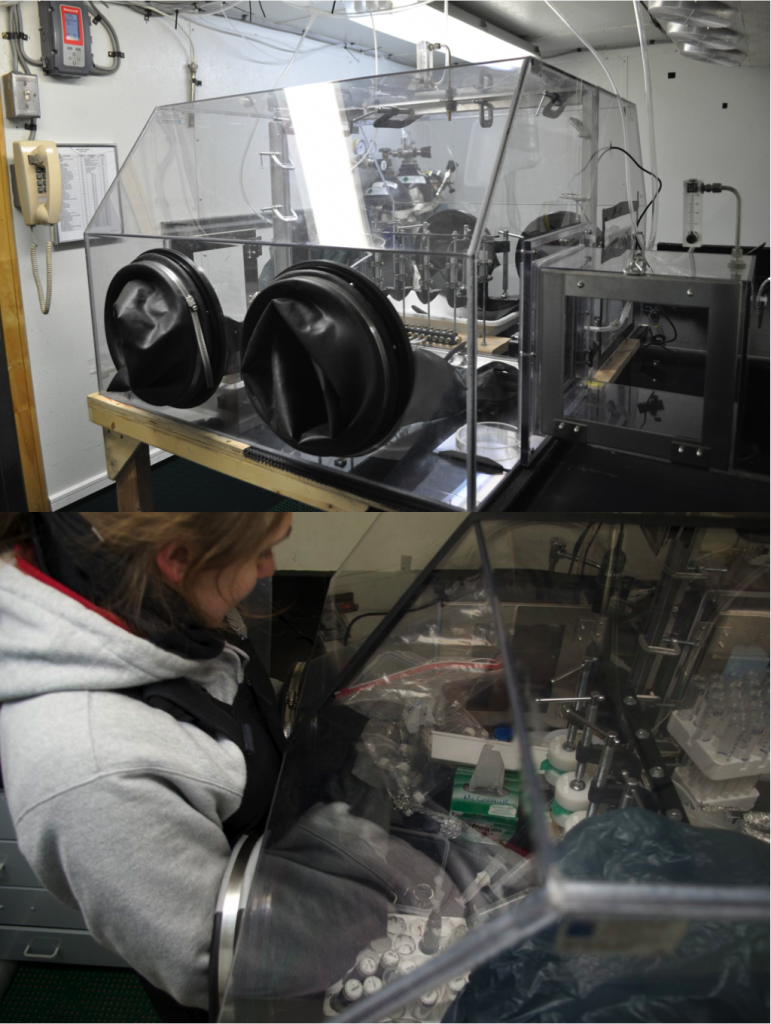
x=45 y=301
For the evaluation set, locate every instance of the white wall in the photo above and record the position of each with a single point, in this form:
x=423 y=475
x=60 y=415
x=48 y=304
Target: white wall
x=114 y=109
x=696 y=137
x=323 y=542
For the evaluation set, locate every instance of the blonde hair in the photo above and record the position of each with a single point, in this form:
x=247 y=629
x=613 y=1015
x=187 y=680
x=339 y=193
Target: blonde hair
x=215 y=540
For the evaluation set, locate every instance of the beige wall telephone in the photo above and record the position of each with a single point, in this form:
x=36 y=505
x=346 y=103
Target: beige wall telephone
x=39 y=184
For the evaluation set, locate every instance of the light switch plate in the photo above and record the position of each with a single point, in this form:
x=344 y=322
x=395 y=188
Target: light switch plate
x=21 y=96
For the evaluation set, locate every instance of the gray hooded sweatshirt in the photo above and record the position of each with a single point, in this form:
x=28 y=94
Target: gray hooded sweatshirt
x=118 y=807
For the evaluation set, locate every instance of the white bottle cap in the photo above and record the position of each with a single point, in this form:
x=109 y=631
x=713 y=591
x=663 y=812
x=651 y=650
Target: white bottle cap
x=352 y=990
x=562 y=760
x=571 y=799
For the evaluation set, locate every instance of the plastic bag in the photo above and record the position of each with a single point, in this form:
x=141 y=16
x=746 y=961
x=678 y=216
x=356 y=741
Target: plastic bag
x=718 y=972
x=403 y=709
x=433 y=695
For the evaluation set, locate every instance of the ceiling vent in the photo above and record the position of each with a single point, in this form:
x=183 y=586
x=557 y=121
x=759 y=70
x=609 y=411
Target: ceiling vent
x=707 y=13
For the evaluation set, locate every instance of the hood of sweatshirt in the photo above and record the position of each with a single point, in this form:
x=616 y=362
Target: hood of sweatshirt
x=51 y=641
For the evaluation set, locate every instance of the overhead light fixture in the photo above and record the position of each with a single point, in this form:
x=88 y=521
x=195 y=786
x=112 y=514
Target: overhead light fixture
x=714 y=38
x=728 y=58
x=426 y=24
x=707 y=13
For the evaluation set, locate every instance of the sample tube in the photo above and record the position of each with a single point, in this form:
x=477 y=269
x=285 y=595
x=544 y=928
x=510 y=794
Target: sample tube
x=351 y=991
x=389 y=961
x=729 y=732
x=404 y=967
x=371 y=986
x=433 y=934
x=396 y=925
x=712 y=711
x=366 y=967
x=763 y=743
x=456 y=986
x=750 y=742
x=405 y=946
x=694 y=691
x=425 y=1006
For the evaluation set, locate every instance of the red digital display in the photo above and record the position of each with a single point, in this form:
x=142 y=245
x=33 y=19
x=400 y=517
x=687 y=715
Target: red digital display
x=72 y=25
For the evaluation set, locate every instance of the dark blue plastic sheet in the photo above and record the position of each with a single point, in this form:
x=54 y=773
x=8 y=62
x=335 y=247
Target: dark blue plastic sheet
x=719 y=972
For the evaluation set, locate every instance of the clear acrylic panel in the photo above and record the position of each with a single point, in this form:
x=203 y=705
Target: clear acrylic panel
x=411 y=180
x=620 y=660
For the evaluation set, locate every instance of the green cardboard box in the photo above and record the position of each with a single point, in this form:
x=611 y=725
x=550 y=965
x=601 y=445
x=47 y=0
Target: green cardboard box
x=493 y=815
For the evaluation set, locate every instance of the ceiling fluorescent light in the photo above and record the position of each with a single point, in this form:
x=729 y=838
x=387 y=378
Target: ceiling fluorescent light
x=426 y=24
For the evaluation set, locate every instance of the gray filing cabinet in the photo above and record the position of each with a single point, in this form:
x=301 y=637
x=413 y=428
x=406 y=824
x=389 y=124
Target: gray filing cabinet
x=34 y=926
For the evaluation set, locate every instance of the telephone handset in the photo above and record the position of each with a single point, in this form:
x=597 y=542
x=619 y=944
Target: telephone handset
x=39 y=184
x=39 y=181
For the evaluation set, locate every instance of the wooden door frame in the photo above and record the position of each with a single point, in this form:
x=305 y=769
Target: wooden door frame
x=16 y=351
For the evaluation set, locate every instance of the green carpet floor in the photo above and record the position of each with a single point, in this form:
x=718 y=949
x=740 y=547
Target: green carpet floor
x=182 y=486
x=58 y=993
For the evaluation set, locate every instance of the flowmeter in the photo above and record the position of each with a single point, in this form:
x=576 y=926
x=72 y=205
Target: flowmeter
x=692 y=213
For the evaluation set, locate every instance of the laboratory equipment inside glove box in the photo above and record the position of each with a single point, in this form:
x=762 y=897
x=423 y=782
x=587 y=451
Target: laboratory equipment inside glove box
x=338 y=273
x=551 y=743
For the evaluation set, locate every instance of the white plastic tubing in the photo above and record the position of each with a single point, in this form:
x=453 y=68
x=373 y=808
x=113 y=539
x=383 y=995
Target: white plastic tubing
x=651 y=244
x=605 y=68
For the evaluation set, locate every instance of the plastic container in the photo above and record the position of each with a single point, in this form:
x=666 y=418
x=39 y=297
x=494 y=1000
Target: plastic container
x=499 y=441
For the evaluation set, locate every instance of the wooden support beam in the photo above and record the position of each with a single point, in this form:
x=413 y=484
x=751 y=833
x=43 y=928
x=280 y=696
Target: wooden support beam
x=223 y=454
x=134 y=483
x=118 y=449
x=611 y=370
x=16 y=353
x=128 y=464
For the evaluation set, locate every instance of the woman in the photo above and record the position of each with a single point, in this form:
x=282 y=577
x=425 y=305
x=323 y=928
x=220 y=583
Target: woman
x=124 y=799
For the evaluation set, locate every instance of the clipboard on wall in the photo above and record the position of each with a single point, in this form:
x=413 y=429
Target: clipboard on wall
x=87 y=173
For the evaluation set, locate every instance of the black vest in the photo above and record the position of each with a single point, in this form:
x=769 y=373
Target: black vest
x=252 y=722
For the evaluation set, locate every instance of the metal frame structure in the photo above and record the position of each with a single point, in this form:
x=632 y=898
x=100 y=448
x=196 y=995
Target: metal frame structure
x=723 y=299
x=558 y=896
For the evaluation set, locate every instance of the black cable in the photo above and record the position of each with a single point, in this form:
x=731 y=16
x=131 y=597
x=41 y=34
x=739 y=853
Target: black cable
x=587 y=548
x=576 y=547
x=659 y=339
x=645 y=171
x=367 y=615
x=669 y=341
x=455 y=348
x=621 y=149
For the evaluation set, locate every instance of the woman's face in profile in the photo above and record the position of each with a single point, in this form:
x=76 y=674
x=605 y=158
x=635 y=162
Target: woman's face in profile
x=216 y=591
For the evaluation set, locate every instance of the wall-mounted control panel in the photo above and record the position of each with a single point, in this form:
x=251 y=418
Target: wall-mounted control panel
x=65 y=39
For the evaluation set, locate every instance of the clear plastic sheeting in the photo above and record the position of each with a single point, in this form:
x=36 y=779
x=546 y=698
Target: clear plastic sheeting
x=492 y=773
x=378 y=230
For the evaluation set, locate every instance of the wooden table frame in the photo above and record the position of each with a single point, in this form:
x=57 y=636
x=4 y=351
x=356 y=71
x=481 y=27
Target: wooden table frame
x=129 y=432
